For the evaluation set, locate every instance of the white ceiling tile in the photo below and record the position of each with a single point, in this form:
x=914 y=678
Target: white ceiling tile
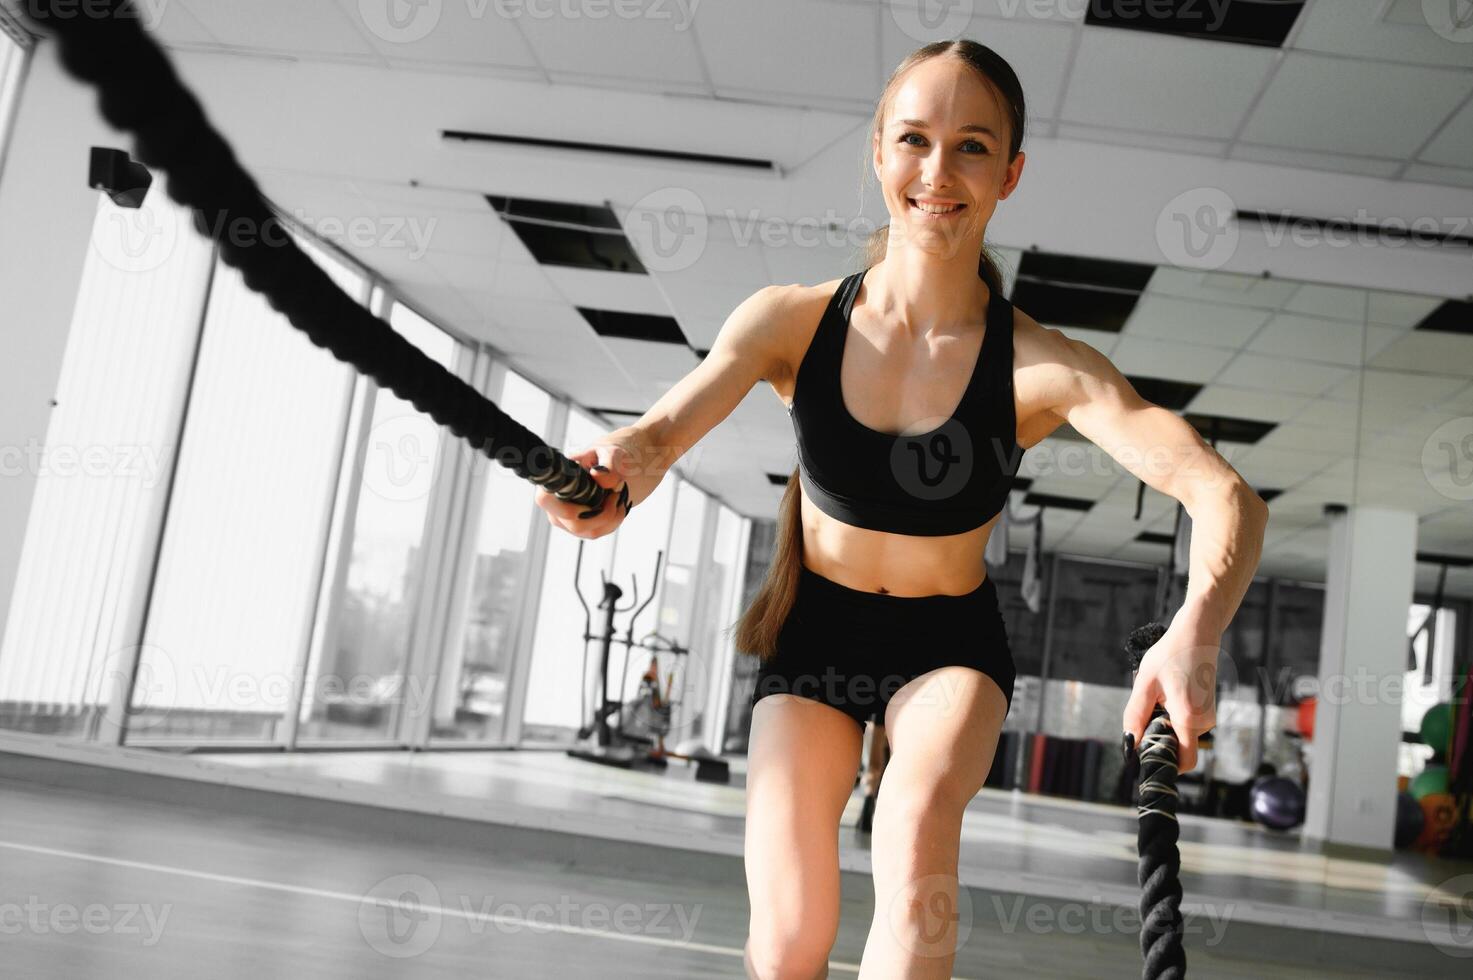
x=600 y=289
x=1432 y=351
x=1330 y=302
x=436 y=35
x=1213 y=324
x=1248 y=403
x=1158 y=141
x=1307 y=433
x=657 y=44
x=773 y=46
x=173 y=25
x=282 y=25
x=1401 y=309
x=1169 y=359
x=1355 y=110
x=1453 y=147
x=1375 y=29
x=1118 y=82
x=1281 y=374
x=1336 y=163
x=1383 y=387
x=1261 y=292
x=1451 y=176
x=1318 y=339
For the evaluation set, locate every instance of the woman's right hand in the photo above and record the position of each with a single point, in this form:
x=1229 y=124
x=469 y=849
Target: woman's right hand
x=607 y=462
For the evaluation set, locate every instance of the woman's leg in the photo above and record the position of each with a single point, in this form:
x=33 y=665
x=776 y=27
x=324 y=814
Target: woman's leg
x=801 y=762
x=943 y=728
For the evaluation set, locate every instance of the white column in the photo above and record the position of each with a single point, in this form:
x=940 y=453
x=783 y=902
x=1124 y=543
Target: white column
x=1357 y=727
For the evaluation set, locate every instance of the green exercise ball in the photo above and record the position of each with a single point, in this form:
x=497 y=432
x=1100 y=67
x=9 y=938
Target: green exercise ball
x=1436 y=723
x=1432 y=779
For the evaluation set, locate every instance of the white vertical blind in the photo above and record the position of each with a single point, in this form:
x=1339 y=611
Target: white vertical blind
x=233 y=602
x=102 y=473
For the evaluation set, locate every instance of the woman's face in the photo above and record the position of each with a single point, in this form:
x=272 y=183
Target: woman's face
x=944 y=142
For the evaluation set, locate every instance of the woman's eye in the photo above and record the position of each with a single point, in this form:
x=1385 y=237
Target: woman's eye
x=907 y=136
x=979 y=146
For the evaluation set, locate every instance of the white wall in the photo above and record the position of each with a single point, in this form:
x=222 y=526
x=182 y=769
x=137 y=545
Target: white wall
x=46 y=216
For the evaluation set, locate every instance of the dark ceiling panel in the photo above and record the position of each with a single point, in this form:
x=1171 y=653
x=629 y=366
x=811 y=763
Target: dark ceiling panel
x=581 y=236
x=1263 y=23
x=634 y=326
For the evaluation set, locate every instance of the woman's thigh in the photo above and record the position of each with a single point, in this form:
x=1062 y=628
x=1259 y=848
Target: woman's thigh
x=802 y=758
x=943 y=728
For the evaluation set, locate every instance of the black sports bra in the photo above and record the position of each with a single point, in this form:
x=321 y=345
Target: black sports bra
x=952 y=479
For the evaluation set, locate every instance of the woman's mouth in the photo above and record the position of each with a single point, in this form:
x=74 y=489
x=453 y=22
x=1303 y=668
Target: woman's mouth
x=935 y=212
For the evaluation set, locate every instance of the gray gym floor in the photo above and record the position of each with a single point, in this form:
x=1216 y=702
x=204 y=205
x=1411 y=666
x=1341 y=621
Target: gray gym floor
x=111 y=873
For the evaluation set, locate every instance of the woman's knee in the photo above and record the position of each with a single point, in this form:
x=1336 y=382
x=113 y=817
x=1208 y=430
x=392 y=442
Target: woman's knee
x=775 y=953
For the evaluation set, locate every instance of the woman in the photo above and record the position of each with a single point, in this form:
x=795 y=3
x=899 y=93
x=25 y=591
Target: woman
x=920 y=385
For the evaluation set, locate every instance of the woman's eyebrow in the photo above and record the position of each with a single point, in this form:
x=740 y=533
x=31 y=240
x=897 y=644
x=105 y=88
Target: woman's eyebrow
x=969 y=128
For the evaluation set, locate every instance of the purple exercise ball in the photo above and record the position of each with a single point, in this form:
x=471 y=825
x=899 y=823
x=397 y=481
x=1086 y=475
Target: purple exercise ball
x=1277 y=803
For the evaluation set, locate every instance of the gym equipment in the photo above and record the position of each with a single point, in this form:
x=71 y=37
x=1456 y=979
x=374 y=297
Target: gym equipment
x=1437 y=725
x=638 y=738
x=1277 y=803
x=1159 y=870
x=1432 y=779
x=1409 y=820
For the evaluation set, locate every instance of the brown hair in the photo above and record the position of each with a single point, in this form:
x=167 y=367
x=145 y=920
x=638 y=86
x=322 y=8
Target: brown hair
x=757 y=629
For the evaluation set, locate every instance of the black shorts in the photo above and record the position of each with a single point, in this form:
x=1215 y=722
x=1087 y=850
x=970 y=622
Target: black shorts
x=854 y=649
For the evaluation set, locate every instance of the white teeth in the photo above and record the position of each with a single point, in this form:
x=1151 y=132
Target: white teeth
x=936 y=209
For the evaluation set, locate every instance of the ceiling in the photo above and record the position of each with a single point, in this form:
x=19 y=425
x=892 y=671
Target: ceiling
x=1347 y=382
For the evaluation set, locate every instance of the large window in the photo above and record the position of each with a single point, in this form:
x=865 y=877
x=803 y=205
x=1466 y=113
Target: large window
x=556 y=703
x=480 y=651
x=12 y=62
x=102 y=476
x=236 y=591
x=357 y=686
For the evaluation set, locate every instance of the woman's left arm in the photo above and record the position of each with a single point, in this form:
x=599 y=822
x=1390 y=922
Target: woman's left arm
x=1228 y=520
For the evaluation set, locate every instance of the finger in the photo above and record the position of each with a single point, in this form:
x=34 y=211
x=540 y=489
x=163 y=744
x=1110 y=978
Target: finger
x=1186 y=736
x=1138 y=709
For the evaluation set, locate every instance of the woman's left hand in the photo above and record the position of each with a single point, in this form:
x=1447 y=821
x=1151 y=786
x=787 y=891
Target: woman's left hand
x=1179 y=671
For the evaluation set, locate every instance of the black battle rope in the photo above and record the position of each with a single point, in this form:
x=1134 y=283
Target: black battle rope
x=104 y=45
x=1159 y=870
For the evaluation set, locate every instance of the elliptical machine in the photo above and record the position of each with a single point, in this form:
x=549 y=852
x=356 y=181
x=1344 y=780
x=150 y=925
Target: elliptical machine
x=623 y=745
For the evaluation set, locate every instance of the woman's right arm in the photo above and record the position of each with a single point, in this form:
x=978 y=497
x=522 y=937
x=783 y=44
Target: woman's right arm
x=751 y=346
